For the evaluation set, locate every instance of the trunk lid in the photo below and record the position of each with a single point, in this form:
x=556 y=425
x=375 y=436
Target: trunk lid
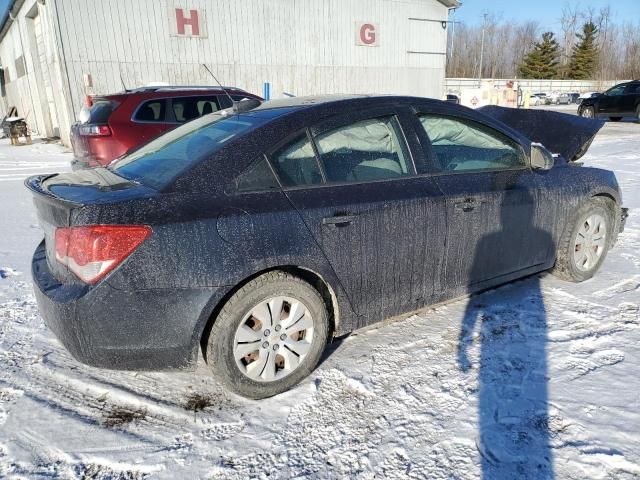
x=562 y=133
x=57 y=197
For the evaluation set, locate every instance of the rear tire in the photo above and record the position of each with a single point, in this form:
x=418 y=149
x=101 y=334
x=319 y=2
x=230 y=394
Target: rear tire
x=615 y=119
x=249 y=354
x=580 y=251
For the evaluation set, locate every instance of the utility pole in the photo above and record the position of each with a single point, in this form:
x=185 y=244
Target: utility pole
x=453 y=32
x=484 y=24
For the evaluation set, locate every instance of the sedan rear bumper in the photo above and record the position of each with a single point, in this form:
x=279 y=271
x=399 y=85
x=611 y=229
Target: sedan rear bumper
x=109 y=328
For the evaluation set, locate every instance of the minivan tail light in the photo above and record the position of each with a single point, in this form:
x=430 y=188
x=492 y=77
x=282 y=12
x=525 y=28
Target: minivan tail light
x=91 y=252
x=95 y=130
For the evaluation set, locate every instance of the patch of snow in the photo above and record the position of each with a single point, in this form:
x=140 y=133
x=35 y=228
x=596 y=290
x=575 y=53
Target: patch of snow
x=390 y=402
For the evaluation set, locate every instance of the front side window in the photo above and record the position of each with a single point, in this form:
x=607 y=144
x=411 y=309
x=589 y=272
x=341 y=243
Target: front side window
x=368 y=150
x=615 y=91
x=296 y=163
x=633 y=88
x=151 y=111
x=465 y=145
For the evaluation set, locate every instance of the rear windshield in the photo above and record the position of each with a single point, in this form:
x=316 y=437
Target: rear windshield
x=160 y=161
x=100 y=111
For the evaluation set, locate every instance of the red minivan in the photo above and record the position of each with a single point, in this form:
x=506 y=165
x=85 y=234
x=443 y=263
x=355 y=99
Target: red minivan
x=110 y=125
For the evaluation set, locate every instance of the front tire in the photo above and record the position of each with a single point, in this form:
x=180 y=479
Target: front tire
x=269 y=336
x=585 y=241
x=587 y=112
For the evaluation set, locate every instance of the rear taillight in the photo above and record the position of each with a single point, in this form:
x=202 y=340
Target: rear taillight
x=95 y=130
x=91 y=252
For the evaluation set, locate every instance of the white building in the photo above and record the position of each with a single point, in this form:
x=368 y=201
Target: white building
x=56 y=52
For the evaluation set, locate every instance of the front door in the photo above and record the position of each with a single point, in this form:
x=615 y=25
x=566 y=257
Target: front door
x=630 y=99
x=380 y=226
x=610 y=102
x=490 y=201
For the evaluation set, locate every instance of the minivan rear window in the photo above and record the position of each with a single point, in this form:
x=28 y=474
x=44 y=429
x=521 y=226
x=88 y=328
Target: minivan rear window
x=160 y=161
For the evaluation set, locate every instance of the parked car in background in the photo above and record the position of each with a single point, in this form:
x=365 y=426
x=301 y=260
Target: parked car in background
x=552 y=98
x=622 y=100
x=110 y=125
x=563 y=99
x=538 y=99
x=452 y=98
x=573 y=96
x=258 y=234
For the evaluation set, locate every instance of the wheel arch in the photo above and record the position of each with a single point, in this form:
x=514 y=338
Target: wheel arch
x=607 y=195
x=315 y=279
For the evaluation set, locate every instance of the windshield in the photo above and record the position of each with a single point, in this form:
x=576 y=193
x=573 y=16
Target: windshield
x=158 y=162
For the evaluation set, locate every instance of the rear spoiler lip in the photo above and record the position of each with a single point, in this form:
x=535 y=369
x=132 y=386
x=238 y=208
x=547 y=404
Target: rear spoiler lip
x=34 y=184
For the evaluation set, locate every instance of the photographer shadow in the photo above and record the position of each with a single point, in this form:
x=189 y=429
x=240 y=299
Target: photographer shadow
x=513 y=438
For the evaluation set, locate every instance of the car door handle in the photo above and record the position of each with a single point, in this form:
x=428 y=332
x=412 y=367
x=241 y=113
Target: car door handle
x=339 y=220
x=468 y=204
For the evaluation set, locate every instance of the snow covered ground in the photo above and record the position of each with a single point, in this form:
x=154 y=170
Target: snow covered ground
x=559 y=379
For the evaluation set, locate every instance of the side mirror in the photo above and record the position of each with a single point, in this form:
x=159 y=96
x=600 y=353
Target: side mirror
x=541 y=158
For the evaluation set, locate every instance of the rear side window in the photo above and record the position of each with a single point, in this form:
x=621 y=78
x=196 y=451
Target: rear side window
x=296 y=164
x=368 y=150
x=151 y=111
x=158 y=162
x=465 y=145
x=188 y=108
x=257 y=177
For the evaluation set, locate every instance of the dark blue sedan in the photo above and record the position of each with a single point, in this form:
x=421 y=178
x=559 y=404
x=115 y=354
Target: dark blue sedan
x=260 y=232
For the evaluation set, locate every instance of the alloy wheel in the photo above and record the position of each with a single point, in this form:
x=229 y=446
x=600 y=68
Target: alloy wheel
x=587 y=113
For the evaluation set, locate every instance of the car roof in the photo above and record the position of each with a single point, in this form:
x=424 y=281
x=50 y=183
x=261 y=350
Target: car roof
x=323 y=106
x=328 y=101
x=175 y=91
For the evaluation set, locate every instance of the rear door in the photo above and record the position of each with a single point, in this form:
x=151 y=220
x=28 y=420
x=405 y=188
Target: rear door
x=379 y=224
x=491 y=203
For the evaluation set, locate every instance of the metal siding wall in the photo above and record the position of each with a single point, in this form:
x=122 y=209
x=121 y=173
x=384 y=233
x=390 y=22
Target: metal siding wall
x=299 y=46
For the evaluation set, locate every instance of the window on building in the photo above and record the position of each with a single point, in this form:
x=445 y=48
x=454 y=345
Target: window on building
x=21 y=67
x=465 y=145
x=151 y=111
x=4 y=78
x=371 y=149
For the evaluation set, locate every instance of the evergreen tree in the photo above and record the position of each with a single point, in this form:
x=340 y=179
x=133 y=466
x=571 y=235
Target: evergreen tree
x=542 y=61
x=585 y=53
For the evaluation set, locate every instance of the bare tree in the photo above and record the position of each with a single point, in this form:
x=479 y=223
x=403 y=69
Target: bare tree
x=508 y=42
x=568 y=25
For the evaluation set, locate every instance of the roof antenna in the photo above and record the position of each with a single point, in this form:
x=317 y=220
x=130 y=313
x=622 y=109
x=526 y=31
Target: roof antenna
x=233 y=102
x=122 y=80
